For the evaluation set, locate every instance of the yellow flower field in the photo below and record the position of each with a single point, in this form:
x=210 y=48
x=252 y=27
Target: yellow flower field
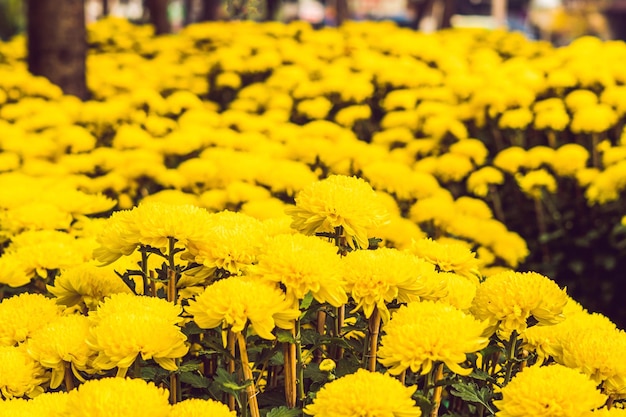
x=253 y=219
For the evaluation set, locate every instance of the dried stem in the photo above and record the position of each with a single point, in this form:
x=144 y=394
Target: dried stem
x=230 y=345
x=247 y=374
x=374 y=329
x=289 y=353
x=438 y=390
x=69 y=380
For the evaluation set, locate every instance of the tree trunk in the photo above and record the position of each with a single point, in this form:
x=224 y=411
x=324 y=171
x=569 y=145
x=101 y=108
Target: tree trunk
x=158 y=15
x=271 y=9
x=57 y=43
x=342 y=11
x=210 y=10
x=449 y=10
x=105 y=8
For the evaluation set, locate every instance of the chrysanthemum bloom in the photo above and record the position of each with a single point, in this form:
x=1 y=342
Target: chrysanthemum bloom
x=125 y=326
x=375 y=278
x=59 y=343
x=594 y=119
x=196 y=407
x=230 y=241
x=534 y=182
x=20 y=375
x=234 y=301
x=40 y=251
x=509 y=299
x=424 y=332
x=448 y=257
x=303 y=264
x=118 y=397
x=86 y=284
x=48 y=404
x=547 y=391
x=461 y=291
x=569 y=159
x=339 y=201
x=511 y=159
x=592 y=344
x=23 y=315
x=364 y=393
x=479 y=181
x=149 y=224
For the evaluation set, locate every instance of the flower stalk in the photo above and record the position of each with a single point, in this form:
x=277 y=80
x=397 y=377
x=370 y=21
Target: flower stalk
x=247 y=374
x=374 y=330
x=438 y=390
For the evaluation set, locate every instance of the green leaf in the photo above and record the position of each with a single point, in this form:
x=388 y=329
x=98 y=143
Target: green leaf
x=188 y=367
x=312 y=372
x=472 y=393
x=228 y=382
x=285 y=336
x=195 y=380
x=306 y=301
x=283 y=412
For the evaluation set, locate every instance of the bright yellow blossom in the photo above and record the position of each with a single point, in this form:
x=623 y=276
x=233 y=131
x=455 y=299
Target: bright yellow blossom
x=118 y=397
x=422 y=333
x=303 y=264
x=509 y=299
x=236 y=301
x=364 y=393
x=125 y=326
x=20 y=375
x=61 y=342
x=23 y=315
x=342 y=202
x=546 y=391
x=196 y=407
x=375 y=278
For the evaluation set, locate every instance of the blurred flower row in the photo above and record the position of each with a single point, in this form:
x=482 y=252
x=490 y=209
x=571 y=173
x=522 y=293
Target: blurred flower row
x=247 y=215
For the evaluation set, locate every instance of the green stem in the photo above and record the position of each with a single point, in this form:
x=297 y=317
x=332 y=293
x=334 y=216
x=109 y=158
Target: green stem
x=173 y=274
x=511 y=350
x=144 y=268
x=299 y=365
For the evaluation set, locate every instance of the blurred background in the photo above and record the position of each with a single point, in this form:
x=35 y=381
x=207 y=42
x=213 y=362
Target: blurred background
x=558 y=21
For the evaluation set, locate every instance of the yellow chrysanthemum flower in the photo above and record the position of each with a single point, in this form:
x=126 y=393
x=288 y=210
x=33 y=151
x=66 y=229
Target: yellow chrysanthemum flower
x=594 y=119
x=235 y=301
x=592 y=344
x=364 y=393
x=461 y=291
x=125 y=326
x=196 y=407
x=35 y=216
x=375 y=278
x=303 y=264
x=150 y=224
x=535 y=182
x=59 y=343
x=230 y=241
x=454 y=257
x=118 y=397
x=508 y=299
x=23 y=315
x=546 y=391
x=511 y=159
x=516 y=119
x=48 y=404
x=87 y=285
x=339 y=201
x=20 y=375
x=478 y=181
x=569 y=159
x=422 y=333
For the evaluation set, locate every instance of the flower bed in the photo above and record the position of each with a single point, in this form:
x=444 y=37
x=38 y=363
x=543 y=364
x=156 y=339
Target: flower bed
x=266 y=219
